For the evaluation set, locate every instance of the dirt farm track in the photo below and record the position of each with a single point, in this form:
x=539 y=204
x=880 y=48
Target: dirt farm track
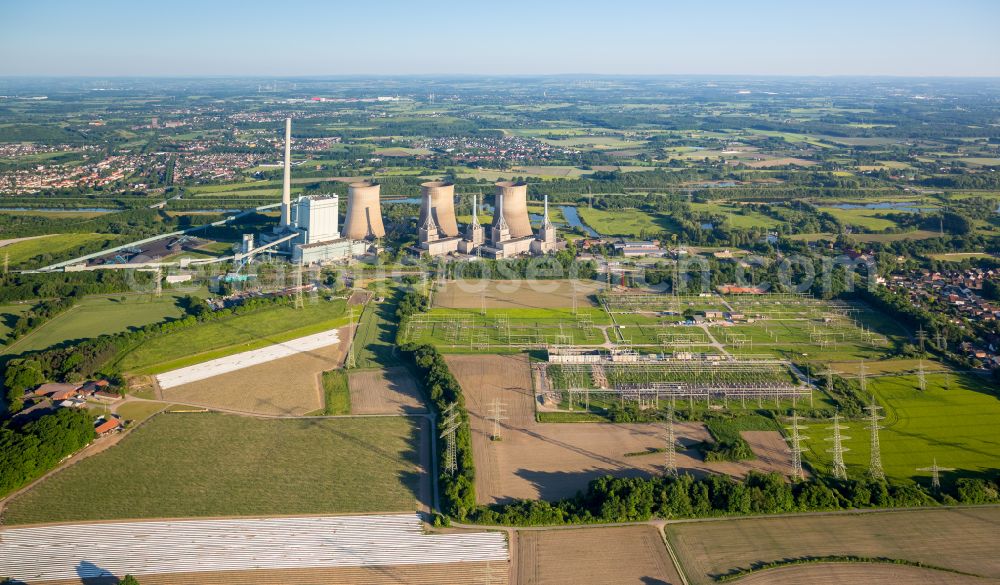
x=555 y=460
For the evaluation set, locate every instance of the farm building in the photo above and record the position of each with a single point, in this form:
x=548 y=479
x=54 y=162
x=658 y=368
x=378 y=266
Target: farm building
x=105 y=426
x=639 y=249
x=57 y=391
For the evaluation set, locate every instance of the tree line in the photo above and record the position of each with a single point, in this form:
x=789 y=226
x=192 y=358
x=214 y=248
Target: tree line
x=78 y=361
x=29 y=451
x=637 y=499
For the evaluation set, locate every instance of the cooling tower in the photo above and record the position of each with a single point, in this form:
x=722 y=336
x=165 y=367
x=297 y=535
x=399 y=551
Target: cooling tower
x=442 y=199
x=515 y=207
x=364 y=212
x=286 y=188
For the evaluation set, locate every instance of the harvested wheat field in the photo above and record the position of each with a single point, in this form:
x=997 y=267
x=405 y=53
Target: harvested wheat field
x=288 y=386
x=862 y=573
x=452 y=573
x=385 y=391
x=358 y=297
x=516 y=294
x=962 y=539
x=555 y=460
x=769 y=447
x=621 y=554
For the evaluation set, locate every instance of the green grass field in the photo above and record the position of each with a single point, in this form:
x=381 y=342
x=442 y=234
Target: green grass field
x=40 y=251
x=139 y=411
x=959 y=256
x=864 y=238
x=592 y=142
x=629 y=222
x=375 y=342
x=954 y=420
x=9 y=314
x=795 y=329
x=469 y=328
x=862 y=217
x=208 y=464
x=336 y=393
x=736 y=216
x=234 y=186
x=95 y=316
x=57 y=214
x=217 y=339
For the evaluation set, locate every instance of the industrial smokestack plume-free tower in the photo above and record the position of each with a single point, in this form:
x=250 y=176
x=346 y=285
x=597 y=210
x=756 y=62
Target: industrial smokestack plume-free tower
x=515 y=207
x=440 y=195
x=286 y=188
x=364 y=211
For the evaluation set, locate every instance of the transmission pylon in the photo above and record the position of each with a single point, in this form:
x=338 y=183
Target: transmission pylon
x=839 y=469
x=159 y=281
x=863 y=377
x=497 y=416
x=921 y=338
x=795 y=446
x=670 y=454
x=299 y=303
x=921 y=377
x=941 y=344
x=875 y=463
x=449 y=426
x=935 y=474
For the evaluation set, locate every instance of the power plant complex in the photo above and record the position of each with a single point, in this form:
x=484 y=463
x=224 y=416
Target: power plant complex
x=309 y=229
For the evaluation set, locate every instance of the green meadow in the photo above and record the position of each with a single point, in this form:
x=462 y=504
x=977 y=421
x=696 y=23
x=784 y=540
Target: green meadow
x=954 y=421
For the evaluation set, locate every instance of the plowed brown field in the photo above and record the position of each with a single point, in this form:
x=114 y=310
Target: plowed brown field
x=861 y=573
x=433 y=574
x=516 y=294
x=615 y=555
x=963 y=539
x=289 y=386
x=555 y=460
x=385 y=391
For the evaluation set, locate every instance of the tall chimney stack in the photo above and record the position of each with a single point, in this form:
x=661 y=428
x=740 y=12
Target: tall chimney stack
x=286 y=191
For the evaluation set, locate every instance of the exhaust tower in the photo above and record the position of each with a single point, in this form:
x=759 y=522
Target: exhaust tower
x=286 y=188
x=364 y=211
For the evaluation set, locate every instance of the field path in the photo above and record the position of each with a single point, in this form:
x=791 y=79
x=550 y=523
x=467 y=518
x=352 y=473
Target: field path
x=10 y=241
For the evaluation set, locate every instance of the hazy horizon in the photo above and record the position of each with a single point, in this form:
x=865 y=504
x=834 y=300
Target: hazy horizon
x=307 y=38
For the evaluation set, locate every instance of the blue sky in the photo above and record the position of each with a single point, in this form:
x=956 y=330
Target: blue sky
x=312 y=37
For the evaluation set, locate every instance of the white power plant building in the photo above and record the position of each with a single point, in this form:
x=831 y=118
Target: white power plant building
x=309 y=229
x=316 y=217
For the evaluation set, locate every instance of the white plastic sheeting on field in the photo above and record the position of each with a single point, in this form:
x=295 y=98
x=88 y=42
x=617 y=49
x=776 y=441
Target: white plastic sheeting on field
x=246 y=359
x=87 y=551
